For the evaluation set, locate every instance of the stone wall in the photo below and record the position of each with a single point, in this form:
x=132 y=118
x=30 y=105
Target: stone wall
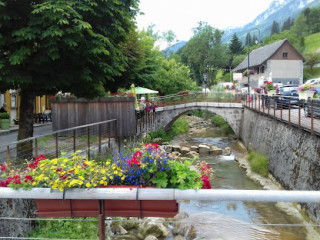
x=294 y=155
x=16 y=208
x=231 y=112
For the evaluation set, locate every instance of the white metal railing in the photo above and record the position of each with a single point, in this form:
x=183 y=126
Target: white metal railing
x=165 y=194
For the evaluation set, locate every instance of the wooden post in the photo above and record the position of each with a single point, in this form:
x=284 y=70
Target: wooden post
x=57 y=148
x=102 y=227
x=299 y=118
x=88 y=133
x=312 y=131
x=36 y=146
x=8 y=157
x=289 y=119
x=74 y=141
x=109 y=134
x=99 y=139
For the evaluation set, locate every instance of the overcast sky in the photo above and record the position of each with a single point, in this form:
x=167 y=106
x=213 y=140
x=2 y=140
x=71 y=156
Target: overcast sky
x=181 y=16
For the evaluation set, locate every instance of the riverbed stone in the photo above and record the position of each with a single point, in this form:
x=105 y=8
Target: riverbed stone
x=194 y=148
x=204 y=149
x=157 y=140
x=227 y=150
x=176 y=148
x=153 y=227
x=168 y=148
x=179 y=237
x=192 y=154
x=118 y=229
x=215 y=151
x=185 y=150
x=151 y=237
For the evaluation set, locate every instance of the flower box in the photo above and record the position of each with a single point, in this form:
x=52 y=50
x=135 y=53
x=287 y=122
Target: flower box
x=306 y=94
x=272 y=92
x=113 y=208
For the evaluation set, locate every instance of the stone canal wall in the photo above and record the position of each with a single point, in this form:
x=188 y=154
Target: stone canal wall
x=294 y=155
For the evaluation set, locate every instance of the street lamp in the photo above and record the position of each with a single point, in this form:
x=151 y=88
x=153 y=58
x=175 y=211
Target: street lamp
x=256 y=42
x=205 y=82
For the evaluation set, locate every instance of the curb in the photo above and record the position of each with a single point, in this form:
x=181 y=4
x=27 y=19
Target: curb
x=15 y=129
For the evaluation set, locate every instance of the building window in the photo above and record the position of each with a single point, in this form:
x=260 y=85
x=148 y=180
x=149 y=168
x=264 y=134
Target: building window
x=285 y=55
x=13 y=101
x=262 y=69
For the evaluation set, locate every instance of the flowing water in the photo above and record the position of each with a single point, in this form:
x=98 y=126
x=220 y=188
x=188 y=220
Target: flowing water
x=236 y=220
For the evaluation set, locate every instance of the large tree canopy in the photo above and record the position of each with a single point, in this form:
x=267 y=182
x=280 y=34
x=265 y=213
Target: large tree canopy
x=52 y=45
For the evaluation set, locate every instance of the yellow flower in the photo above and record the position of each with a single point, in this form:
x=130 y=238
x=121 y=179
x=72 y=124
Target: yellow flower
x=111 y=177
x=54 y=161
x=88 y=184
x=82 y=178
x=80 y=183
x=115 y=172
x=104 y=178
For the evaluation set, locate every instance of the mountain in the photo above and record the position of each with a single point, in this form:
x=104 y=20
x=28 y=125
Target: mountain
x=279 y=10
x=173 y=48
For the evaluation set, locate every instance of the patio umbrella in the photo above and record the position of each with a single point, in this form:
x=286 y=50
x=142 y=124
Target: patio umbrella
x=133 y=90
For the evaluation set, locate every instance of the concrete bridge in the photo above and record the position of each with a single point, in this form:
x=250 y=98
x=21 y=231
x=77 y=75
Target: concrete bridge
x=231 y=112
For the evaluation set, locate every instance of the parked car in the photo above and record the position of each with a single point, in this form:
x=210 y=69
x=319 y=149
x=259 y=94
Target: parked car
x=316 y=106
x=312 y=81
x=285 y=95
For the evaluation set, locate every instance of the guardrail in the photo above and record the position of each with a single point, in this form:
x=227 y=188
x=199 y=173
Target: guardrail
x=303 y=114
x=188 y=97
x=94 y=138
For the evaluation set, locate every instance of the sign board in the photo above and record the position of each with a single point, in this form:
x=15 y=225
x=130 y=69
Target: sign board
x=237 y=76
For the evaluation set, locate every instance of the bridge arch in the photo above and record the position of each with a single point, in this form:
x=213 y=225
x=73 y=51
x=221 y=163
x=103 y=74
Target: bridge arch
x=231 y=113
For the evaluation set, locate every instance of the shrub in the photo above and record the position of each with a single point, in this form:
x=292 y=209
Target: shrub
x=4 y=116
x=258 y=163
x=181 y=125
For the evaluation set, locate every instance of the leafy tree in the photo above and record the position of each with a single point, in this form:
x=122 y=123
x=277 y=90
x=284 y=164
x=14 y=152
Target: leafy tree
x=169 y=37
x=300 y=27
x=312 y=59
x=204 y=49
x=52 y=45
x=275 y=28
x=313 y=20
x=287 y=24
x=235 y=46
x=172 y=77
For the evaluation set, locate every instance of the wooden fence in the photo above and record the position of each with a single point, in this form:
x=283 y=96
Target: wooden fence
x=68 y=113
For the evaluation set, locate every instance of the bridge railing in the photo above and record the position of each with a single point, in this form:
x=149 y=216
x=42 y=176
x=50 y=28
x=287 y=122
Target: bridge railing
x=91 y=139
x=303 y=114
x=188 y=97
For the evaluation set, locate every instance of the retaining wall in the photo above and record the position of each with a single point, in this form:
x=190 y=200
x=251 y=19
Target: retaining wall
x=294 y=155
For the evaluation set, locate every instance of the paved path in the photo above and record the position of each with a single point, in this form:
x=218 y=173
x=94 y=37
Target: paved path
x=11 y=136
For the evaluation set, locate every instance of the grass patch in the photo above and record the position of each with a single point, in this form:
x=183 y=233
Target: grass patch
x=218 y=121
x=180 y=126
x=312 y=43
x=66 y=229
x=258 y=163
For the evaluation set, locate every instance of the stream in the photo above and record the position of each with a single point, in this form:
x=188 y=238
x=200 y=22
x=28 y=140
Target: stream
x=226 y=220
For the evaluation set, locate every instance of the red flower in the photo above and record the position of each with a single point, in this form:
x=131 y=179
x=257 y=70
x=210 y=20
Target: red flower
x=3 y=167
x=206 y=182
x=28 y=178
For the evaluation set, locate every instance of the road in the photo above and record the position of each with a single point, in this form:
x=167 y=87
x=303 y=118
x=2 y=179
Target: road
x=12 y=136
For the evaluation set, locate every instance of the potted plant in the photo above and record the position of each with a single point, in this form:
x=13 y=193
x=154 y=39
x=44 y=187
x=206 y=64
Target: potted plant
x=145 y=166
x=307 y=91
x=271 y=89
x=5 y=121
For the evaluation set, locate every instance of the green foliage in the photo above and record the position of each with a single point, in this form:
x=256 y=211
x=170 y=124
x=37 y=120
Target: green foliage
x=308 y=74
x=218 y=121
x=312 y=59
x=204 y=49
x=235 y=46
x=275 y=28
x=312 y=43
x=179 y=126
x=258 y=163
x=287 y=24
x=66 y=229
x=4 y=116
